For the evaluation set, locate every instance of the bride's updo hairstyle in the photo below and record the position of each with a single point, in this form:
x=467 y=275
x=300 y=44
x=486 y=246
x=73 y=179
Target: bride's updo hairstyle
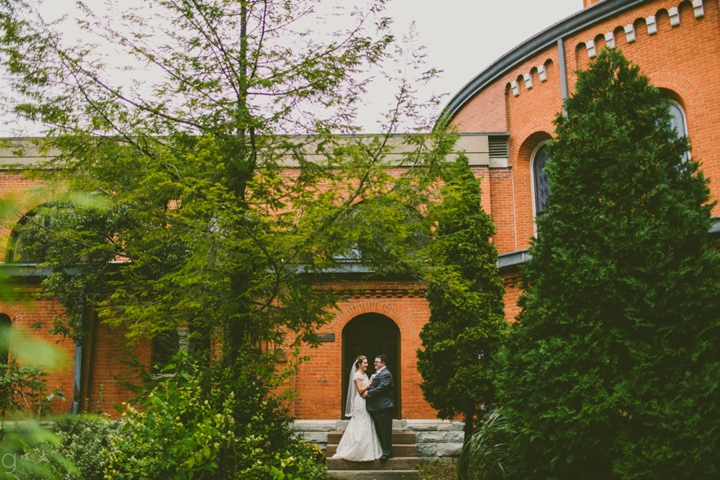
x=359 y=360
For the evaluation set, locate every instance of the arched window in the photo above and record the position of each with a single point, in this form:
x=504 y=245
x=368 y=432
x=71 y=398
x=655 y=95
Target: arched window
x=29 y=240
x=5 y=324
x=32 y=236
x=540 y=178
x=678 y=119
x=678 y=122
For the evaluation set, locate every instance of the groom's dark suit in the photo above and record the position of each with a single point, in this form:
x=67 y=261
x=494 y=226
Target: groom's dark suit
x=379 y=404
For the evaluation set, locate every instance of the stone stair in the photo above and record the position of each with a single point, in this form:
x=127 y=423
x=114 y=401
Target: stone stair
x=403 y=465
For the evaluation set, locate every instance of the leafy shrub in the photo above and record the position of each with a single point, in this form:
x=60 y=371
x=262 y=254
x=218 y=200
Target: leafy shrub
x=23 y=389
x=232 y=430
x=485 y=454
x=17 y=439
x=81 y=440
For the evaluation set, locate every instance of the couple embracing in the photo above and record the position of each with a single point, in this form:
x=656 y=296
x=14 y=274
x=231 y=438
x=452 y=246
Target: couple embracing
x=368 y=436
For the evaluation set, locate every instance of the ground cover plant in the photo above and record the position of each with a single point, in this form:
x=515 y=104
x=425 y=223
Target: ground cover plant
x=440 y=470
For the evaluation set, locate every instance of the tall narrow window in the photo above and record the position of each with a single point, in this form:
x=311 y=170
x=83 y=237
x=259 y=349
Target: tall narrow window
x=678 y=119
x=540 y=179
x=678 y=123
x=5 y=324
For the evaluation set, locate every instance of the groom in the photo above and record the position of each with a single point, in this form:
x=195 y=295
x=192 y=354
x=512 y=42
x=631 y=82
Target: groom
x=379 y=404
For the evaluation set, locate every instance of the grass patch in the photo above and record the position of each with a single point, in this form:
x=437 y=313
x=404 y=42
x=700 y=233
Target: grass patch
x=438 y=470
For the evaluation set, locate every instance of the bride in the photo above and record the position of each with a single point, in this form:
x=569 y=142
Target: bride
x=360 y=442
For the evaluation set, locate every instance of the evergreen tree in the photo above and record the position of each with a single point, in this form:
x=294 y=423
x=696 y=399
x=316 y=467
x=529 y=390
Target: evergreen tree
x=613 y=367
x=465 y=293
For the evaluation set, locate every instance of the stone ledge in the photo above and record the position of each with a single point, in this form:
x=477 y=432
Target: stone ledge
x=435 y=451
x=453 y=436
x=434 y=425
x=315 y=425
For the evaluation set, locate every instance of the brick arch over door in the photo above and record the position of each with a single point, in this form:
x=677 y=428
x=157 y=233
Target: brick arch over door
x=409 y=313
x=371 y=334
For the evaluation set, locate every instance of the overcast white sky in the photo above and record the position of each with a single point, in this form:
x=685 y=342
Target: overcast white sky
x=462 y=37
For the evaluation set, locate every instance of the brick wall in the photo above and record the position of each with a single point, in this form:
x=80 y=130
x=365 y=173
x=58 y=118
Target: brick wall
x=104 y=354
x=32 y=317
x=319 y=381
x=682 y=60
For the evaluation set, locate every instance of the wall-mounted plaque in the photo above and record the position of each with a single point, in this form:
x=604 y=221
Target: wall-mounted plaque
x=325 y=337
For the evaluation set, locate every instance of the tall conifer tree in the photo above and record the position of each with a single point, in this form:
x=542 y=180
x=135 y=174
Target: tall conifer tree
x=613 y=368
x=465 y=293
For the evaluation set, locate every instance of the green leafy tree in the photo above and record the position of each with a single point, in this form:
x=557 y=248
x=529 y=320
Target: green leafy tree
x=465 y=294
x=612 y=369
x=217 y=195
x=214 y=191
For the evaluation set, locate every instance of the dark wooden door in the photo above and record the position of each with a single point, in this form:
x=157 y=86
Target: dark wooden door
x=372 y=334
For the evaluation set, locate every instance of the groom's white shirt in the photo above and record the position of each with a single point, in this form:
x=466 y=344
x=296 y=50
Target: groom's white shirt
x=381 y=369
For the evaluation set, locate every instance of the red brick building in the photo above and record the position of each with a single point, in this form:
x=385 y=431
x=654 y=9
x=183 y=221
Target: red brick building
x=505 y=115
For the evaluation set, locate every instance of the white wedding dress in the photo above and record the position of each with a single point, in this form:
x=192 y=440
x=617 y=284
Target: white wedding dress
x=360 y=442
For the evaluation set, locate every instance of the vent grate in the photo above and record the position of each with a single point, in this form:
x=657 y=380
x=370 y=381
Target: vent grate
x=498 y=147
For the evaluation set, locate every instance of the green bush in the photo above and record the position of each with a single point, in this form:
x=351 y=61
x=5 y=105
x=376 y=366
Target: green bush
x=23 y=388
x=234 y=430
x=83 y=441
x=485 y=454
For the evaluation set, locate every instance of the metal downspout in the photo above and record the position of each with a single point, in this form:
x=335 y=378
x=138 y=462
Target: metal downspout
x=77 y=376
x=563 y=71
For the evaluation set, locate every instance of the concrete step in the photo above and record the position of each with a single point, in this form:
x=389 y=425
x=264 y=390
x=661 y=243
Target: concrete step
x=400 y=437
x=395 y=463
x=398 y=450
x=374 y=475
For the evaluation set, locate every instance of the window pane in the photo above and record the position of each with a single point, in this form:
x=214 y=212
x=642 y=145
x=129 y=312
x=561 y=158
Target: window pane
x=678 y=120
x=541 y=180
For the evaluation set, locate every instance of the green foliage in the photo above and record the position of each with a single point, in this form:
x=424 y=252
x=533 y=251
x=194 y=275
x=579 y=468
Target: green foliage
x=28 y=435
x=23 y=394
x=232 y=430
x=23 y=379
x=613 y=367
x=485 y=455
x=83 y=440
x=438 y=470
x=465 y=293
x=217 y=196
x=24 y=388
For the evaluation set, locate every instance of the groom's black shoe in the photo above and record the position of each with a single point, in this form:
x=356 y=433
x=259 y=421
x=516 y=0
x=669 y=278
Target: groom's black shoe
x=385 y=457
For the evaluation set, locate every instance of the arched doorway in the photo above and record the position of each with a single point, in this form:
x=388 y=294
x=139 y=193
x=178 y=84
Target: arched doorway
x=371 y=334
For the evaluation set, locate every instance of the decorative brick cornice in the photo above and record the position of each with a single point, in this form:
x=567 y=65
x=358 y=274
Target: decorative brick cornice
x=548 y=38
